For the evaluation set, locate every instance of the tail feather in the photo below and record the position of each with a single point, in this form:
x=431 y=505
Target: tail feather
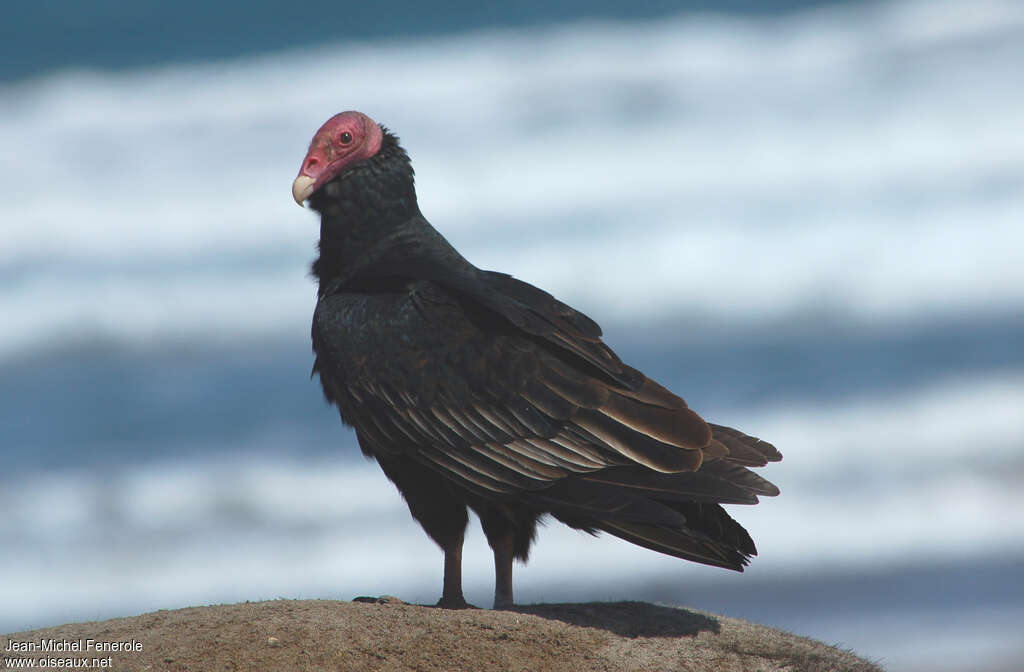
x=680 y=544
x=675 y=514
x=717 y=481
x=585 y=505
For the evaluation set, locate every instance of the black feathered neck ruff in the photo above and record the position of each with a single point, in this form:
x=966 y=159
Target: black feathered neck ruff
x=371 y=228
x=362 y=206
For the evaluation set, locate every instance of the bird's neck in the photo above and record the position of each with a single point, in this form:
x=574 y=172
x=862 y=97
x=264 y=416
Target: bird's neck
x=361 y=212
x=371 y=230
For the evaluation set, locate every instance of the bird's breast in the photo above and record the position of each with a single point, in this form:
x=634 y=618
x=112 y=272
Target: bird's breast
x=401 y=340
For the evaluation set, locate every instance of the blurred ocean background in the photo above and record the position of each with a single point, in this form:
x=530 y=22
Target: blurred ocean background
x=806 y=218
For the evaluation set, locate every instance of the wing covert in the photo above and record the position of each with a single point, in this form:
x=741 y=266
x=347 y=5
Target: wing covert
x=414 y=372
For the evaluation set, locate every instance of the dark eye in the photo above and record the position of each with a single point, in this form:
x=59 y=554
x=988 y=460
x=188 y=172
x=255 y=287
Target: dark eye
x=345 y=138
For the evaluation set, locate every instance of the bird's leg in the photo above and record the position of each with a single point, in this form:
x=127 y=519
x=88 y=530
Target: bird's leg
x=442 y=514
x=504 y=553
x=451 y=593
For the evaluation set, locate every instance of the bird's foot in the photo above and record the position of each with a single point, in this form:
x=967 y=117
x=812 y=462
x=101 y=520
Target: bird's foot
x=383 y=599
x=458 y=602
x=502 y=604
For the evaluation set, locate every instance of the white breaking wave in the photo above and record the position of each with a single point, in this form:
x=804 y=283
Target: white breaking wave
x=864 y=159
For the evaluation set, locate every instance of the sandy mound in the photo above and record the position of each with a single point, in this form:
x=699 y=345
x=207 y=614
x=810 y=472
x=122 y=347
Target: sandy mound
x=390 y=635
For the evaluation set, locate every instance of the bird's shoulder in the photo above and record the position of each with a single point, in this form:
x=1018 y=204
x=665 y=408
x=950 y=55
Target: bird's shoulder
x=420 y=338
x=558 y=328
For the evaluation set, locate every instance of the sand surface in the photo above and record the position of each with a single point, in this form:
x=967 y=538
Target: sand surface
x=387 y=634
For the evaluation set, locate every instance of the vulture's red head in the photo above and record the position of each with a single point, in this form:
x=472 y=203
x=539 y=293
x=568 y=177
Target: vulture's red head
x=343 y=140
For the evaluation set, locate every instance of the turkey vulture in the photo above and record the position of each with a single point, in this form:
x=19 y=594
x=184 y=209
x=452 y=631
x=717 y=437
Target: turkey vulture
x=473 y=389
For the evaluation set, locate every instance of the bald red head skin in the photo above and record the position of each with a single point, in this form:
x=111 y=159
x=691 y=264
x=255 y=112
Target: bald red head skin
x=344 y=139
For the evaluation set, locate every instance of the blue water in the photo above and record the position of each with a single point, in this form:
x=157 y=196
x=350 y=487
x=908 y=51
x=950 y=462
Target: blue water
x=44 y=36
x=806 y=221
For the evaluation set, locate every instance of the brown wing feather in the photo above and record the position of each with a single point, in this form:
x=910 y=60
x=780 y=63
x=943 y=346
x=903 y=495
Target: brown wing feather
x=747 y=450
x=679 y=427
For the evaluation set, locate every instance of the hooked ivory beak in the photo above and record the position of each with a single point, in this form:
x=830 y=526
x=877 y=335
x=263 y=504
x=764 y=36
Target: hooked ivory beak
x=302 y=188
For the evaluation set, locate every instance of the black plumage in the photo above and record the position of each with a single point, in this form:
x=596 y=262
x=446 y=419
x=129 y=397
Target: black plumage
x=474 y=389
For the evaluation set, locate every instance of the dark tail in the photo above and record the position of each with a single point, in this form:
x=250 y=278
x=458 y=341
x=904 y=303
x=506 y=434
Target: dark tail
x=676 y=514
